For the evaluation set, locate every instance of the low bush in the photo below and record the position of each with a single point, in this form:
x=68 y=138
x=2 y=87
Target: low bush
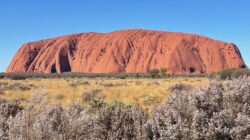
x=180 y=87
x=240 y=73
x=116 y=103
x=213 y=76
x=7 y=109
x=94 y=98
x=76 y=83
x=121 y=122
x=154 y=73
x=2 y=76
x=220 y=111
x=227 y=73
x=77 y=122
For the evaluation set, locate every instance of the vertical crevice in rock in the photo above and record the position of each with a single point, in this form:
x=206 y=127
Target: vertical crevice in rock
x=64 y=64
x=53 y=69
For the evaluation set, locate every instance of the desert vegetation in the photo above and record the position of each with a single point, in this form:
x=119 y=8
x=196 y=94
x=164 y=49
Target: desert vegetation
x=145 y=92
x=156 y=73
x=233 y=73
x=217 y=111
x=126 y=107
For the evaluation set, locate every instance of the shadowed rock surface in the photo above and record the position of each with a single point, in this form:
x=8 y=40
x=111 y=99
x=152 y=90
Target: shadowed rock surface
x=132 y=51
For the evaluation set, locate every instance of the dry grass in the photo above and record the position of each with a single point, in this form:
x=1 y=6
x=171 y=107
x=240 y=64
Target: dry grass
x=144 y=92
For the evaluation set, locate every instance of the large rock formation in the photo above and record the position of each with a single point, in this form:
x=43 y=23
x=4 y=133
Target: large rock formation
x=131 y=51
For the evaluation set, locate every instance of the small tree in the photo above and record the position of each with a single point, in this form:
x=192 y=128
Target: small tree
x=154 y=73
x=163 y=71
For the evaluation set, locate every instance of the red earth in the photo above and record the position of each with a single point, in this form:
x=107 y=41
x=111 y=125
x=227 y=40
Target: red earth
x=131 y=51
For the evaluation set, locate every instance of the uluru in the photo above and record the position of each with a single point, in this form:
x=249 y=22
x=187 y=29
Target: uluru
x=130 y=51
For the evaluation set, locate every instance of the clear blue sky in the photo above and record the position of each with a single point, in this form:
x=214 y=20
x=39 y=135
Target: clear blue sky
x=29 y=20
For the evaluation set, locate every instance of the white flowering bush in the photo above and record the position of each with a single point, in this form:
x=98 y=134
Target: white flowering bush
x=120 y=122
x=7 y=110
x=51 y=122
x=76 y=122
x=219 y=111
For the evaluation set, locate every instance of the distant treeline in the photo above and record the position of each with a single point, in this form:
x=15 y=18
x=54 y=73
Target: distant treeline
x=223 y=74
x=20 y=76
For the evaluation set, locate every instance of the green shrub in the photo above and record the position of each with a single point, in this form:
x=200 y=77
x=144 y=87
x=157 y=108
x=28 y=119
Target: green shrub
x=154 y=73
x=163 y=71
x=227 y=73
x=240 y=73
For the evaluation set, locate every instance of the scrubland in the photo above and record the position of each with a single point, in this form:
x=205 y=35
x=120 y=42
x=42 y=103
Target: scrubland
x=130 y=108
x=145 y=92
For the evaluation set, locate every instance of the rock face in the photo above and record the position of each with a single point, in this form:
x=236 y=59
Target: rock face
x=131 y=51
